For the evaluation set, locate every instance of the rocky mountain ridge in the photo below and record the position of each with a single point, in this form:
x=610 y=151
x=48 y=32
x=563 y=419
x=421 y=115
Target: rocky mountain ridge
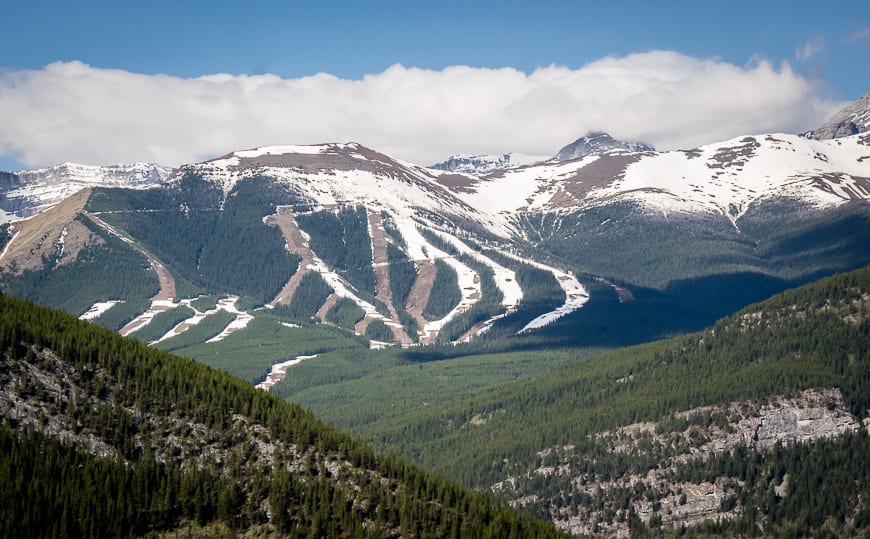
x=851 y=120
x=28 y=192
x=599 y=143
x=478 y=165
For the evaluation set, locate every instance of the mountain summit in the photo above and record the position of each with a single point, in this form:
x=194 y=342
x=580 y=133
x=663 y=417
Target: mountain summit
x=851 y=120
x=599 y=143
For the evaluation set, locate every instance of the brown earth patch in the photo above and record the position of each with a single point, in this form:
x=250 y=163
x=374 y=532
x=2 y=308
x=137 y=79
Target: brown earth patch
x=599 y=173
x=860 y=190
x=381 y=266
x=458 y=183
x=736 y=156
x=296 y=243
x=37 y=238
x=418 y=298
x=328 y=304
x=361 y=326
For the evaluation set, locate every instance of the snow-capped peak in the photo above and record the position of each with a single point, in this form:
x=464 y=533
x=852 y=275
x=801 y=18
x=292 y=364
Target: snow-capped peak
x=599 y=143
x=27 y=192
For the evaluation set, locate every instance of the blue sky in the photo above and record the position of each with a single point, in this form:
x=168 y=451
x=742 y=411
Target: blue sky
x=826 y=48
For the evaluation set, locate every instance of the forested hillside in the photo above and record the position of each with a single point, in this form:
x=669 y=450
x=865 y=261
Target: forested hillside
x=218 y=244
x=614 y=441
x=102 y=436
x=105 y=268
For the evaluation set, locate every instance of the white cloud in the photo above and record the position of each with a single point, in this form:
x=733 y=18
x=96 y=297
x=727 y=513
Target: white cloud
x=74 y=112
x=809 y=49
x=860 y=35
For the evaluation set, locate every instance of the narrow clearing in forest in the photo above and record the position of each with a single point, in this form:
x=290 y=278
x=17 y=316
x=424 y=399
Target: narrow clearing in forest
x=381 y=267
x=418 y=298
x=321 y=312
x=295 y=243
x=161 y=301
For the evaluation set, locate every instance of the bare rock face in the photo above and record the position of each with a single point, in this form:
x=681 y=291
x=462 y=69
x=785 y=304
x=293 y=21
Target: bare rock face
x=851 y=120
x=794 y=424
x=755 y=425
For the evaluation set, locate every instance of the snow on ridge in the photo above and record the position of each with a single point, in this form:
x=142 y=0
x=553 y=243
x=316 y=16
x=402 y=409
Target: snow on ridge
x=476 y=165
x=720 y=178
x=503 y=194
x=727 y=177
x=40 y=189
x=281 y=150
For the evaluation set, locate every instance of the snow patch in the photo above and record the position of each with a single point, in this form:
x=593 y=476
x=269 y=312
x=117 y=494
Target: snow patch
x=98 y=309
x=279 y=371
x=241 y=322
x=281 y=150
x=9 y=243
x=575 y=297
x=576 y=294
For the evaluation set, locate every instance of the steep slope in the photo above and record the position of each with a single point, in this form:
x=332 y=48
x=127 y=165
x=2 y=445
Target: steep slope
x=851 y=120
x=689 y=431
x=332 y=204
x=29 y=192
x=104 y=437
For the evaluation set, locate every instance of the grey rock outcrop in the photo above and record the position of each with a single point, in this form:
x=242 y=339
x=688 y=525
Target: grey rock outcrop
x=851 y=120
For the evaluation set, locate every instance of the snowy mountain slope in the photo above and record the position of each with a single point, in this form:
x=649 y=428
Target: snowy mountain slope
x=851 y=120
x=599 y=143
x=478 y=165
x=635 y=218
x=28 y=192
x=723 y=178
x=331 y=175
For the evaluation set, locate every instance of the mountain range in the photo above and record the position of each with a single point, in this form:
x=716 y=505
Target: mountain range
x=672 y=230
x=474 y=318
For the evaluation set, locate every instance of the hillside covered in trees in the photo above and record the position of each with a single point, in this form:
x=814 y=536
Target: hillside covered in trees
x=755 y=426
x=102 y=436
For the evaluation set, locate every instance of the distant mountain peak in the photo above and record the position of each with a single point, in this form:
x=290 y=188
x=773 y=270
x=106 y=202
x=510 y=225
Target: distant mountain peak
x=484 y=164
x=27 y=192
x=599 y=143
x=850 y=120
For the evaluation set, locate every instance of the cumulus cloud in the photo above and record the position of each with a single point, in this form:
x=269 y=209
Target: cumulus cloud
x=69 y=111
